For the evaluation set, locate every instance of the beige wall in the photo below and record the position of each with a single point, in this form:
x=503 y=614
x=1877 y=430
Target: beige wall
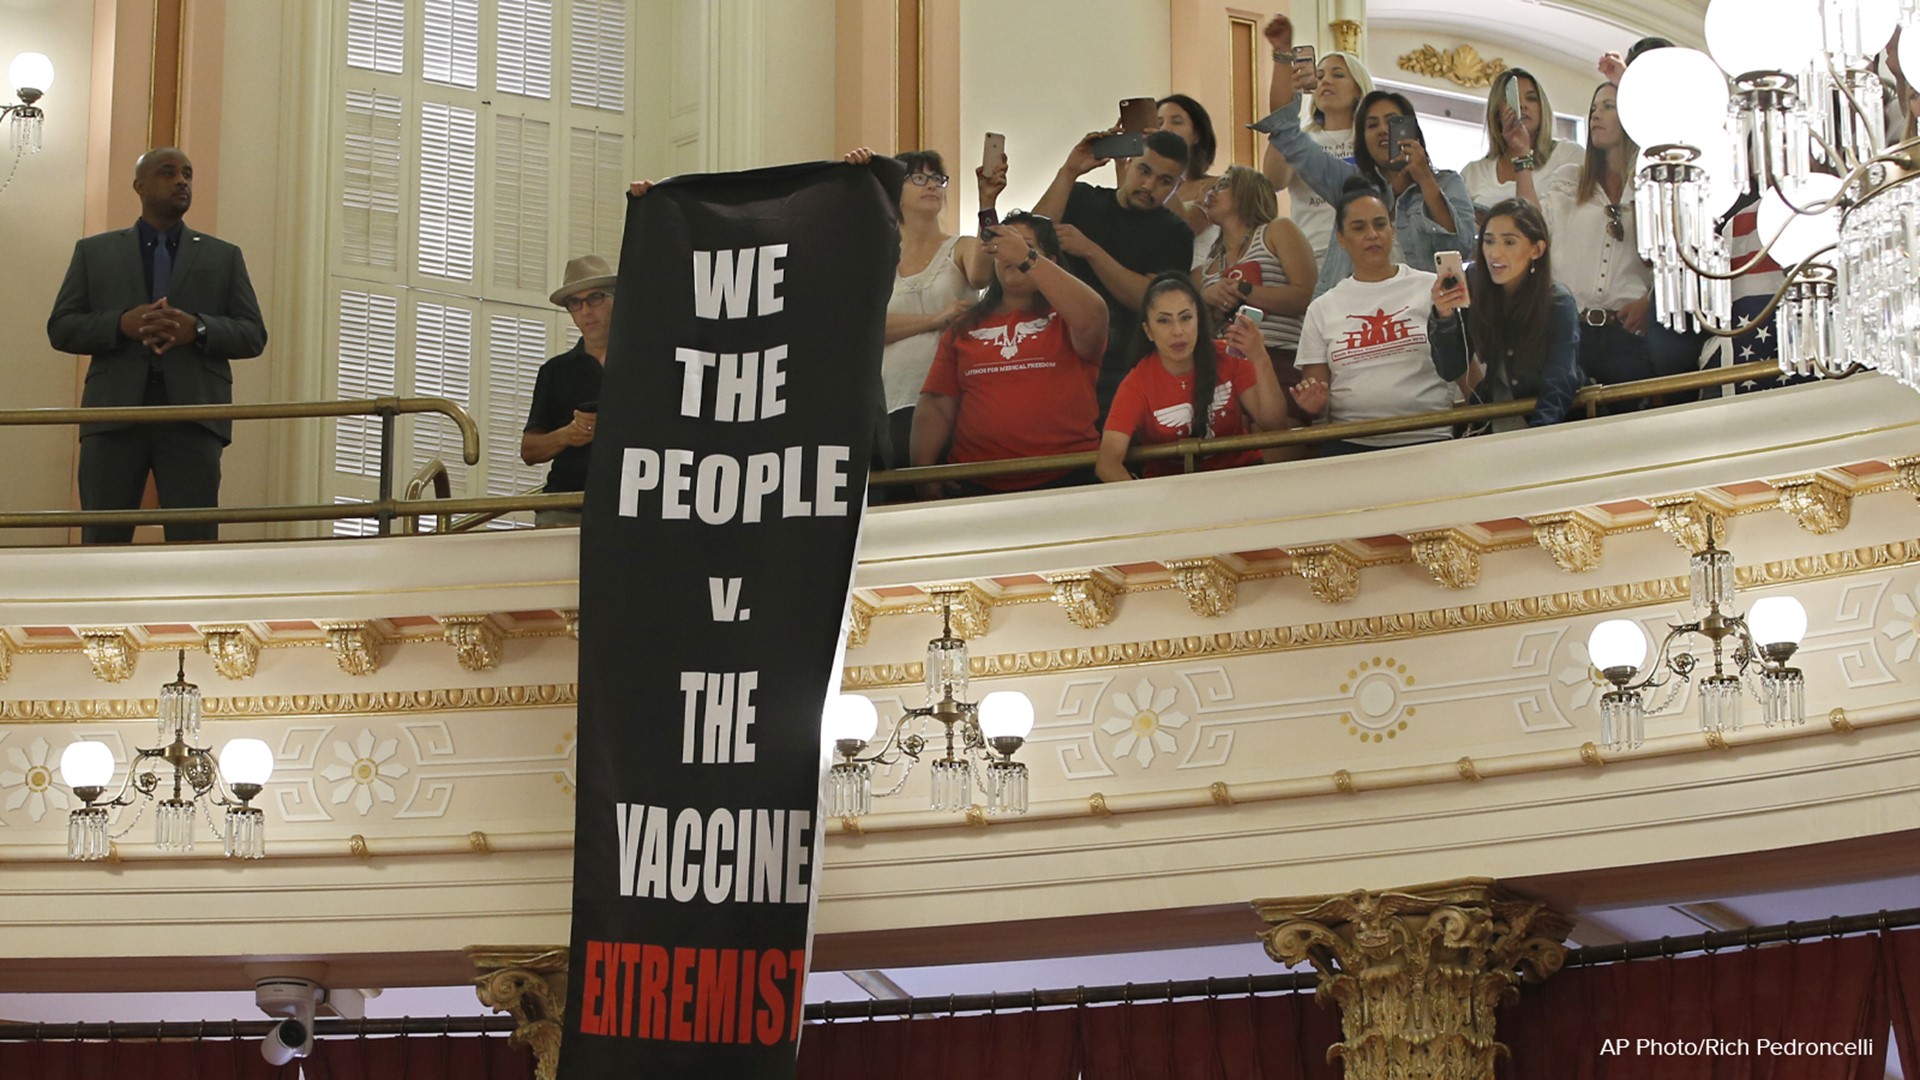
x=41 y=215
x=797 y=123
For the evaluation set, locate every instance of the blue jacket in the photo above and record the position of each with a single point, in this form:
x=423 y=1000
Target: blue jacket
x=1417 y=233
x=1559 y=376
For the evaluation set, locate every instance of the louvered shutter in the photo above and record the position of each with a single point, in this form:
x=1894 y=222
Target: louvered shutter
x=368 y=330
x=597 y=54
x=365 y=526
x=451 y=43
x=596 y=207
x=523 y=48
x=516 y=347
x=448 y=153
x=377 y=35
x=522 y=206
x=370 y=194
x=442 y=367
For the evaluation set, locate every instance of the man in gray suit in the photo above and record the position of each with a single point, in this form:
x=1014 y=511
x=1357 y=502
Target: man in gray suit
x=161 y=308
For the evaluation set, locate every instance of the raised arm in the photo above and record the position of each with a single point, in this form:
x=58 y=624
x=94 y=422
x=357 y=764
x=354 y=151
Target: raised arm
x=1127 y=286
x=976 y=263
x=1082 y=309
x=1081 y=160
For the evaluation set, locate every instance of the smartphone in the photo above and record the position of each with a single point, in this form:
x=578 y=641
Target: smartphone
x=1513 y=95
x=1250 y=312
x=994 y=154
x=1137 y=117
x=1399 y=129
x=1452 y=272
x=1303 y=54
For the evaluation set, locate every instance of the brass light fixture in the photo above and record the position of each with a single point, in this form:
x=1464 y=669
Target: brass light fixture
x=31 y=76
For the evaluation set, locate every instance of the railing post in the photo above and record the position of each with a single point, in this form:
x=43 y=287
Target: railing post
x=384 y=517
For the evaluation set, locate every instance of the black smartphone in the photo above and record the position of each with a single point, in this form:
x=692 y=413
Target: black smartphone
x=1137 y=117
x=1400 y=128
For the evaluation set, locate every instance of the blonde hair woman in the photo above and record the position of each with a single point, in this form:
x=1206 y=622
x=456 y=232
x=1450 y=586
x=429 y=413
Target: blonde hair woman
x=1520 y=145
x=1339 y=81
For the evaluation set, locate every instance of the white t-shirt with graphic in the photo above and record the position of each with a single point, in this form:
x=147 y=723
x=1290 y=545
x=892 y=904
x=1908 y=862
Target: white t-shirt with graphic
x=1312 y=213
x=1373 y=337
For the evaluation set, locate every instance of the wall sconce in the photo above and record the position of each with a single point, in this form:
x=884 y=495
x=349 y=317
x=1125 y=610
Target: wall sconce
x=31 y=76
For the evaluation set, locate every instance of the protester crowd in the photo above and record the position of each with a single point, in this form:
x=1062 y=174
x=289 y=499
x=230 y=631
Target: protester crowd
x=1180 y=302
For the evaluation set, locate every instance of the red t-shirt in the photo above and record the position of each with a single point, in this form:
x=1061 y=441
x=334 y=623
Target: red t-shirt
x=1021 y=391
x=1154 y=407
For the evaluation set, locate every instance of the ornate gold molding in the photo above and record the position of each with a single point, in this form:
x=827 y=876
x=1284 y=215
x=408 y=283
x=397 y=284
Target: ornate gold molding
x=530 y=982
x=1451 y=556
x=1097 y=805
x=970 y=604
x=234 y=649
x=1838 y=718
x=1419 y=973
x=1086 y=596
x=1460 y=65
x=390 y=702
x=1590 y=755
x=475 y=640
x=1212 y=586
x=1393 y=627
x=859 y=622
x=356 y=646
x=1343 y=782
x=1346 y=35
x=6 y=657
x=1686 y=518
x=1818 y=503
x=1468 y=770
x=1222 y=795
x=1332 y=574
x=1572 y=539
x=111 y=652
x=571 y=618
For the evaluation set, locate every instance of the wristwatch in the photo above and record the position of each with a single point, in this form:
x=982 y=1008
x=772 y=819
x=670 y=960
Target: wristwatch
x=1523 y=163
x=1032 y=260
x=199 y=331
x=1246 y=288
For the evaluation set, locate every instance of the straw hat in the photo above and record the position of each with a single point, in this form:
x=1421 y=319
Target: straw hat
x=583 y=273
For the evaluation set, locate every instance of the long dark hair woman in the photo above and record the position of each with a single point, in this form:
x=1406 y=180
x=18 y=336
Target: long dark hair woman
x=1188 y=119
x=1521 y=325
x=1185 y=387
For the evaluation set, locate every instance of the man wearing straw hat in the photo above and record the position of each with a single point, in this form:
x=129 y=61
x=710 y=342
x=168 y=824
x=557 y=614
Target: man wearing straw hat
x=566 y=395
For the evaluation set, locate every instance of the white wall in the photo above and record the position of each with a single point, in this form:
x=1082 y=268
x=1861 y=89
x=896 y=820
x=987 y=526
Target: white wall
x=1045 y=74
x=41 y=215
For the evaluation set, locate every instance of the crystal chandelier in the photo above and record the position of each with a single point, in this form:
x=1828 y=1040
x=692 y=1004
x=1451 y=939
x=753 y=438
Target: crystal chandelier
x=197 y=781
x=1761 y=643
x=31 y=76
x=1788 y=107
x=976 y=741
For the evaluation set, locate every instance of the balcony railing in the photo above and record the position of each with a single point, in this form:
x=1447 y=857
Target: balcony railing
x=406 y=512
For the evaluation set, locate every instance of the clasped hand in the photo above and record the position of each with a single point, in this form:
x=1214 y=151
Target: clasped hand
x=158 y=326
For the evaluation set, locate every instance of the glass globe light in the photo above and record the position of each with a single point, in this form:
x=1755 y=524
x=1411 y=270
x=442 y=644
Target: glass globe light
x=1805 y=233
x=30 y=71
x=851 y=718
x=246 y=761
x=1006 y=714
x=1777 y=620
x=1617 y=643
x=1673 y=96
x=1747 y=36
x=86 y=765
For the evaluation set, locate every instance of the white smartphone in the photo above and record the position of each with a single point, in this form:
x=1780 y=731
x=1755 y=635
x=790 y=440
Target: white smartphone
x=994 y=153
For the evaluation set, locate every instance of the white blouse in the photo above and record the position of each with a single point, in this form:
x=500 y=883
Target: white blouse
x=1483 y=177
x=904 y=364
x=1600 y=271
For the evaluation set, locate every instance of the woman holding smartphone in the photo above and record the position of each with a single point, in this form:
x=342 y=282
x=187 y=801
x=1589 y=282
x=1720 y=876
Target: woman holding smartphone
x=1333 y=88
x=1520 y=142
x=1185 y=388
x=1522 y=324
x=1259 y=259
x=1188 y=119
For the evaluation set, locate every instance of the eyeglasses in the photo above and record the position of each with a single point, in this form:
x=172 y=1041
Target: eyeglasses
x=922 y=179
x=1614 y=228
x=592 y=299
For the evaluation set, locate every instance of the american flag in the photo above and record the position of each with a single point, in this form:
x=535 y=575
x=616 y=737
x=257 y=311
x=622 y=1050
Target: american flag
x=1751 y=292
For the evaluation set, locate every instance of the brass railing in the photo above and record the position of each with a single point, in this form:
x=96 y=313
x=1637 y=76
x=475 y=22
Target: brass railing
x=432 y=474
x=479 y=510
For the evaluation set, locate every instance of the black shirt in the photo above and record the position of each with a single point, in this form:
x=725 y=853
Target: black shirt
x=565 y=383
x=1143 y=241
x=150 y=236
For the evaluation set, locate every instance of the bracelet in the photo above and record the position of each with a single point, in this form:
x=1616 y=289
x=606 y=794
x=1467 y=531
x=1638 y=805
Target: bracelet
x=1032 y=260
x=1523 y=163
x=1282 y=57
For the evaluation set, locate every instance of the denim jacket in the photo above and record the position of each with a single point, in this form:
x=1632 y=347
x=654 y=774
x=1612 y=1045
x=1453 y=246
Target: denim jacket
x=1419 y=236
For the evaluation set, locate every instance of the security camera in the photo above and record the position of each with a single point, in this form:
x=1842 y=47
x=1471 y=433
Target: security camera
x=296 y=1000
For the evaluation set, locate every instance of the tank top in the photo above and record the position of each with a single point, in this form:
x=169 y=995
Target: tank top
x=1279 y=331
x=904 y=364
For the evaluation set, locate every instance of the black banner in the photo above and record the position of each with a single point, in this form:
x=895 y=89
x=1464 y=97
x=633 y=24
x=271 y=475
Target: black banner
x=722 y=511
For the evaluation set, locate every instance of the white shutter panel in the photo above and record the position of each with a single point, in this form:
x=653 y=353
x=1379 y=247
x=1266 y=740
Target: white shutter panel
x=451 y=43
x=598 y=56
x=377 y=35
x=370 y=194
x=523 y=48
x=442 y=367
x=516 y=348
x=596 y=189
x=368 y=329
x=521 y=198
x=365 y=526
x=448 y=148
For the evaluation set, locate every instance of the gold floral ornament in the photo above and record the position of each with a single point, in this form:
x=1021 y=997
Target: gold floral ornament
x=1461 y=65
x=1086 y=597
x=27 y=781
x=1145 y=722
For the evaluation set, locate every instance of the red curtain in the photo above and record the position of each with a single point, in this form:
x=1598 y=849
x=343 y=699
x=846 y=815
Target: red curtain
x=1901 y=955
x=1263 y=1038
x=1821 y=991
x=1030 y=1045
x=218 y=1059
x=419 y=1057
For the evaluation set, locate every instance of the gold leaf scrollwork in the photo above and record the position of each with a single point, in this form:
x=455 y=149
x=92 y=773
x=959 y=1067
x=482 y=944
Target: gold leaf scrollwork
x=1086 y=596
x=1331 y=573
x=110 y=650
x=532 y=986
x=1717 y=739
x=1687 y=519
x=570 y=617
x=1097 y=805
x=976 y=816
x=357 y=844
x=1211 y=585
x=1343 y=782
x=1221 y=795
x=475 y=640
x=971 y=605
x=1419 y=974
x=1449 y=555
x=1838 y=718
x=234 y=649
x=355 y=646
x=6 y=657
x=1468 y=770
x=1590 y=754
x=1818 y=503
x=859 y=622
x=1460 y=65
x=1573 y=540
x=478 y=841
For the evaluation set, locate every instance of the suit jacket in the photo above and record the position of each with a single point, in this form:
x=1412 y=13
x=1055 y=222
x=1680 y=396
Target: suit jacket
x=106 y=278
